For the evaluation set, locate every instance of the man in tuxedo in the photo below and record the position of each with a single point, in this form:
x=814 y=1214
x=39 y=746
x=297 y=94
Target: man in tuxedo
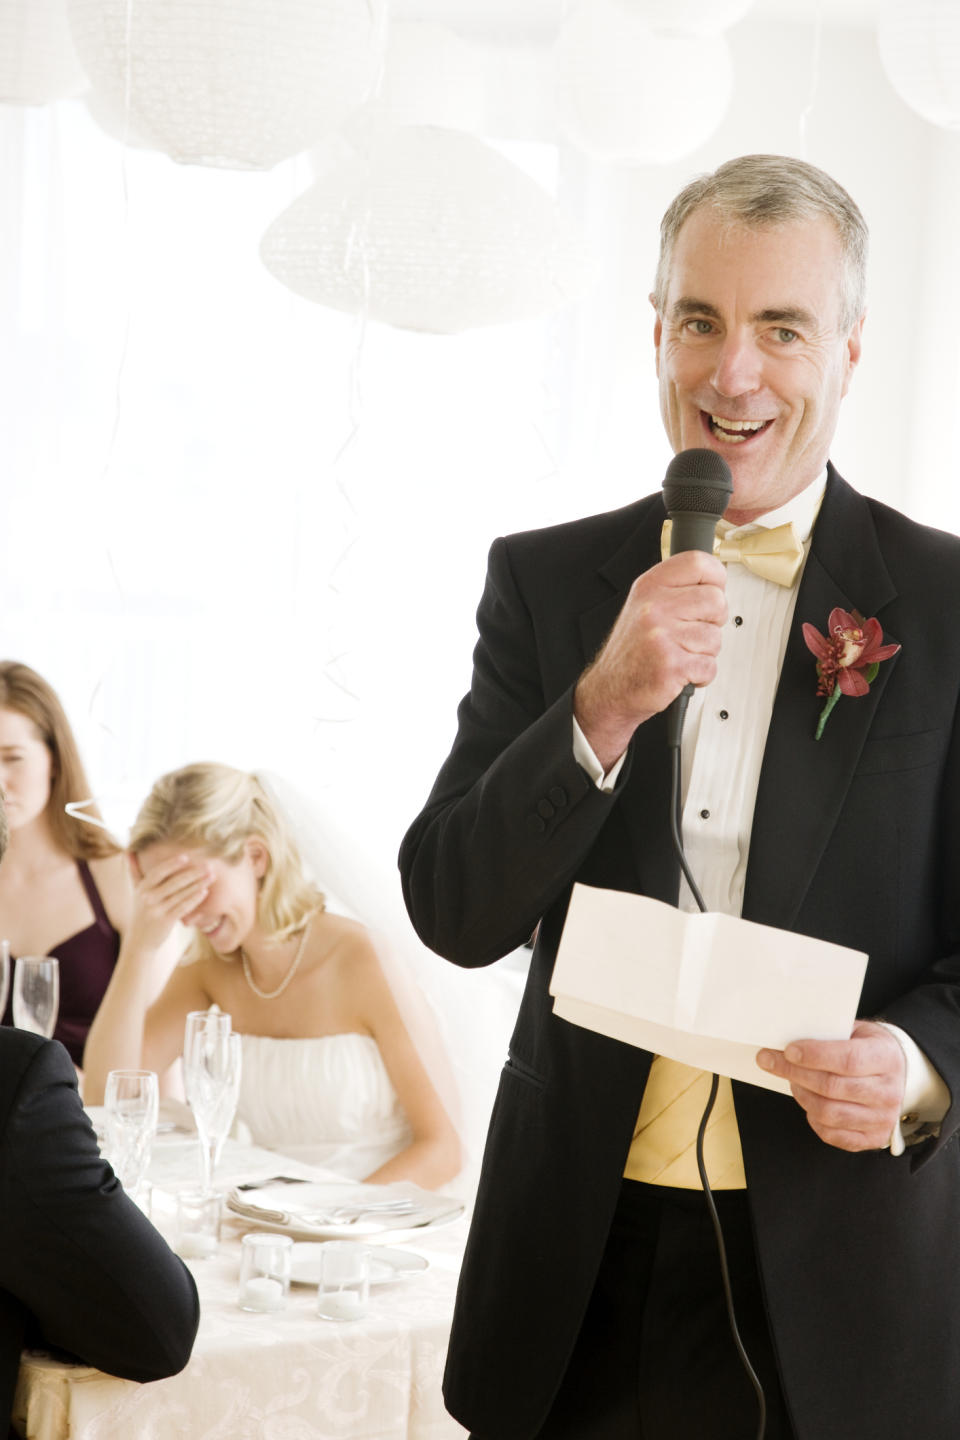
x=591 y=1302
x=82 y=1270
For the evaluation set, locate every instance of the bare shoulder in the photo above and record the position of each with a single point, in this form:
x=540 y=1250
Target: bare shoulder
x=347 y=969
x=341 y=943
x=111 y=876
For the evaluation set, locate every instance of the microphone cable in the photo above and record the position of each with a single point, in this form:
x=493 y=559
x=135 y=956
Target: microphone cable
x=679 y=709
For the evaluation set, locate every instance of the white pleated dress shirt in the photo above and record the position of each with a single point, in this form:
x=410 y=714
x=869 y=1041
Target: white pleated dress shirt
x=724 y=737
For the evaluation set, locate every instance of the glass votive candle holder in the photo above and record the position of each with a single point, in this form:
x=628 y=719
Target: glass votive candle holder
x=344 y=1281
x=265 y=1262
x=197 y=1225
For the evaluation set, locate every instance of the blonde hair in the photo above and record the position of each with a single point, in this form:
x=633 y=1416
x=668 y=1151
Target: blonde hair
x=219 y=809
x=26 y=692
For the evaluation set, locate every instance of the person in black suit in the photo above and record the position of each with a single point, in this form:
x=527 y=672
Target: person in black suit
x=82 y=1270
x=590 y=1302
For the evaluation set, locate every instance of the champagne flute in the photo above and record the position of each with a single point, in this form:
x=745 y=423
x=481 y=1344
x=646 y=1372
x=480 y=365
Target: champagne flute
x=131 y=1103
x=211 y=1079
x=36 y=993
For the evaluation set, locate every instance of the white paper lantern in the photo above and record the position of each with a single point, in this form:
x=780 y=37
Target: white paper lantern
x=697 y=17
x=431 y=76
x=428 y=230
x=236 y=83
x=113 y=121
x=37 y=60
x=629 y=94
x=920 y=50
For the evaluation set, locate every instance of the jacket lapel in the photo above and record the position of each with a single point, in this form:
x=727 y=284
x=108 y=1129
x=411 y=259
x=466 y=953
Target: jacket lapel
x=804 y=782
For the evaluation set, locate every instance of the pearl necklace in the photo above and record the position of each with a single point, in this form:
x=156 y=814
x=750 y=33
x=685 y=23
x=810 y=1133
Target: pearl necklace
x=272 y=994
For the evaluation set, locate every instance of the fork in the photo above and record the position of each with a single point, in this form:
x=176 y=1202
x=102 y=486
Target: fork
x=273 y=1180
x=350 y=1214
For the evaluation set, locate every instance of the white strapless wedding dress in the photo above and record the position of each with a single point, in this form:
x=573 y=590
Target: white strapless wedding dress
x=326 y=1100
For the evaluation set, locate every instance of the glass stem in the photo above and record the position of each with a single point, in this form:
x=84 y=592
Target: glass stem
x=208 y=1159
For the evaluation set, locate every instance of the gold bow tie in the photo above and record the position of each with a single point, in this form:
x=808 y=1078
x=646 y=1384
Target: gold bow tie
x=775 y=554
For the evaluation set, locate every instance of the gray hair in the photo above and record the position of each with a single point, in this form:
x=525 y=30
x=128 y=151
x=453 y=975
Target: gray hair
x=762 y=190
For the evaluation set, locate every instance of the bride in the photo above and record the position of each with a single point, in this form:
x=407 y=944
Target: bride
x=331 y=1072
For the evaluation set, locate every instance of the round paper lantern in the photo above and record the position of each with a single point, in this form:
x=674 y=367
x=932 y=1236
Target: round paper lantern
x=113 y=121
x=37 y=60
x=431 y=76
x=427 y=230
x=630 y=94
x=920 y=50
x=698 y=17
x=236 y=83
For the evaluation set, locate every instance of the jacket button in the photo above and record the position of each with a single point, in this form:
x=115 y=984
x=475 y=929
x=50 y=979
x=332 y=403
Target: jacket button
x=545 y=809
x=558 y=795
x=535 y=825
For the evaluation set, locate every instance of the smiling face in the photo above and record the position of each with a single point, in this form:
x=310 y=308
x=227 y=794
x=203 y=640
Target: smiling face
x=26 y=769
x=227 y=916
x=751 y=356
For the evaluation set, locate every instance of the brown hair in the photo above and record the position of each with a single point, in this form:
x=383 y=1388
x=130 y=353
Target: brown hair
x=23 y=690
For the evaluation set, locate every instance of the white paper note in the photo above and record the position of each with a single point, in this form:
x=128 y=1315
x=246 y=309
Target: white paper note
x=709 y=990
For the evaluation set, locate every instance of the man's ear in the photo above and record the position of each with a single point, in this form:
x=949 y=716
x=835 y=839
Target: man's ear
x=854 y=350
x=657 y=332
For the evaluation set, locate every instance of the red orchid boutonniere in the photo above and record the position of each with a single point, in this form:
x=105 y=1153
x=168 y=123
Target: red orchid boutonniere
x=848 y=657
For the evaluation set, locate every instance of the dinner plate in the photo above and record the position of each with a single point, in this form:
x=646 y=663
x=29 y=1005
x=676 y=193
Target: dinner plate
x=386 y=1266
x=297 y=1210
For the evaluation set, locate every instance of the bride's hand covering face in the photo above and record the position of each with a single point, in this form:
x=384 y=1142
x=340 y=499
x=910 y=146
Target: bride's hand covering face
x=168 y=888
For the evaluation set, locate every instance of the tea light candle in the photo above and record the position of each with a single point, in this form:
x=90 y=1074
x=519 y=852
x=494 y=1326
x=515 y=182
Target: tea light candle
x=341 y=1305
x=261 y=1293
x=196 y=1246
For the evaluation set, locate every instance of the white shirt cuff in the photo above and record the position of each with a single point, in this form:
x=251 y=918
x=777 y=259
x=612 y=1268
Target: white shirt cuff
x=584 y=756
x=926 y=1098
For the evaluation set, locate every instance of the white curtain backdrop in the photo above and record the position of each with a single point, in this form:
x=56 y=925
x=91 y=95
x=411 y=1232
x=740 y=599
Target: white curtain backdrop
x=236 y=525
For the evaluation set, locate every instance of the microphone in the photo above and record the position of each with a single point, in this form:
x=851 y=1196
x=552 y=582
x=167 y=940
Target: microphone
x=696 y=491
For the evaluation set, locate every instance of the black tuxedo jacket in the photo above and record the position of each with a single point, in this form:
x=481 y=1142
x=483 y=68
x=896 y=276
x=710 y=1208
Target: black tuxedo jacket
x=81 y=1268
x=856 y=839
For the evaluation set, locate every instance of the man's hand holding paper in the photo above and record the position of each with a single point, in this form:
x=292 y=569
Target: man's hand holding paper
x=852 y=1090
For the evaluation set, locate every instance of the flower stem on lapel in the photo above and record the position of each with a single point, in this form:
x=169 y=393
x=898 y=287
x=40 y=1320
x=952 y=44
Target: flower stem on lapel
x=848 y=657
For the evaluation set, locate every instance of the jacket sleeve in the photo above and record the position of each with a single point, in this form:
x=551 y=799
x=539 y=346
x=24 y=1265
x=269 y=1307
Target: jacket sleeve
x=95 y=1276
x=511 y=814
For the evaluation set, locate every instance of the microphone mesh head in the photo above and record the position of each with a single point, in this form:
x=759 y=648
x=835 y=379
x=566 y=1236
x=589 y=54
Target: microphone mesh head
x=697 y=480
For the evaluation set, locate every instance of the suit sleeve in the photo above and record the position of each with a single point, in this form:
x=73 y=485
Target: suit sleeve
x=929 y=1011
x=511 y=814
x=96 y=1277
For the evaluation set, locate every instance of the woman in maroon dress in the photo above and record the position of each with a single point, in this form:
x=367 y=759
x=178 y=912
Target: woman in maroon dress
x=64 y=885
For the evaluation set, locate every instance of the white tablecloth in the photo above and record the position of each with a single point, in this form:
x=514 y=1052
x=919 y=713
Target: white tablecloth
x=287 y=1376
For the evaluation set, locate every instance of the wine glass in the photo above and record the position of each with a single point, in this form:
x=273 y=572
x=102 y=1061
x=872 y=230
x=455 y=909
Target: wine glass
x=4 y=973
x=131 y=1103
x=211 y=1079
x=36 y=993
